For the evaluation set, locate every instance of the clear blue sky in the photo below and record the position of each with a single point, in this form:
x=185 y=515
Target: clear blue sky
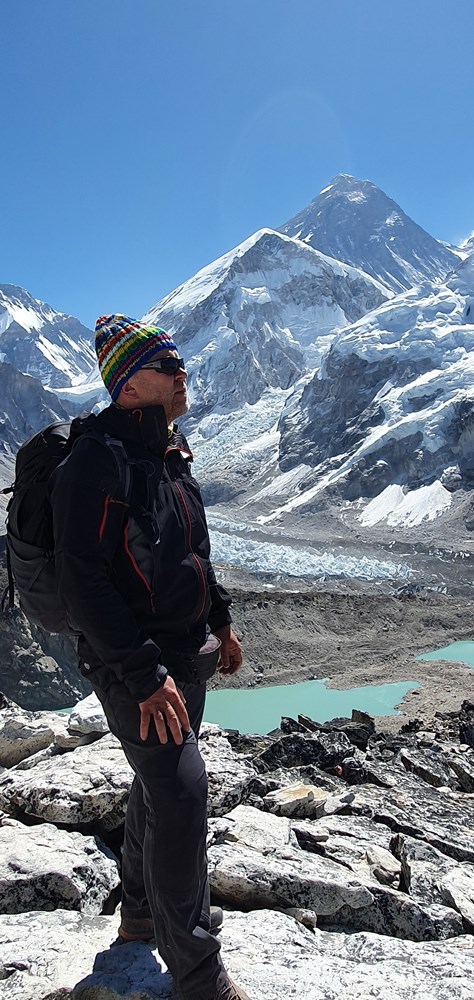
x=141 y=139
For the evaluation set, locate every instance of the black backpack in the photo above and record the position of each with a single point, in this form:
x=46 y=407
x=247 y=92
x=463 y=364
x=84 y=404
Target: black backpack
x=30 y=538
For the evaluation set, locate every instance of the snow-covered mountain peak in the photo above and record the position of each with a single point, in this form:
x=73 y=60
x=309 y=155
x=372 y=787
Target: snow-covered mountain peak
x=345 y=185
x=20 y=307
x=198 y=288
x=356 y=222
x=42 y=342
x=258 y=317
x=259 y=258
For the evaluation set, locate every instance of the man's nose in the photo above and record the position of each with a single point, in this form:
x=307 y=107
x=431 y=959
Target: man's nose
x=182 y=374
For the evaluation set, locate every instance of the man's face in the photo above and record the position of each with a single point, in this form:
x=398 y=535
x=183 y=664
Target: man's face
x=148 y=387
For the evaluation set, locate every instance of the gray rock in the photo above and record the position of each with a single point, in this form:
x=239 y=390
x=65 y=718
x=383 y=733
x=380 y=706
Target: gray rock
x=466 y=723
x=24 y=733
x=357 y=770
x=353 y=842
x=271 y=955
x=29 y=675
x=275 y=958
x=47 y=754
x=396 y=915
x=88 y=717
x=308 y=775
x=296 y=800
x=444 y=819
x=463 y=768
x=42 y=868
x=41 y=953
x=296 y=750
x=309 y=835
x=429 y=766
x=217 y=828
x=384 y=867
x=431 y=877
x=90 y=785
x=358 y=827
x=457 y=890
x=244 y=877
x=308 y=918
x=229 y=773
x=260 y=830
x=336 y=803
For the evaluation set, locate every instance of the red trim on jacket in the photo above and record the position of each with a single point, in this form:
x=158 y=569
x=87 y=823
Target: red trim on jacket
x=196 y=560
x=103 y=522
x=132 y=560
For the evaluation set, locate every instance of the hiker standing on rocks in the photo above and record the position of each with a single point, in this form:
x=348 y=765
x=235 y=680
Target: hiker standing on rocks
x=132 y=558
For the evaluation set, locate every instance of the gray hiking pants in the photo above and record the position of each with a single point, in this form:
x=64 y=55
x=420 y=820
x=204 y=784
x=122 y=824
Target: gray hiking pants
x=164 y=854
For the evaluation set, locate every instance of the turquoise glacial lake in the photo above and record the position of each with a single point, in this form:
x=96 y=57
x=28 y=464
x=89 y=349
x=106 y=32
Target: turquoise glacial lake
x=259 y=710
x=459 y=652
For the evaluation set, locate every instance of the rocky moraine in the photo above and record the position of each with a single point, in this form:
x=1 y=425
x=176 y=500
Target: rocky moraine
x=343 y=856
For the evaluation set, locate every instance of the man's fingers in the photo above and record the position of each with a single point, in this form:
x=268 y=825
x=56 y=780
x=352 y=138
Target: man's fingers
x=160 y=726
x=174 y=725
x=145 y=716
x=236 y=659
x=168 y=709
x=231 y=660
x=183 y=716
x=180 y=695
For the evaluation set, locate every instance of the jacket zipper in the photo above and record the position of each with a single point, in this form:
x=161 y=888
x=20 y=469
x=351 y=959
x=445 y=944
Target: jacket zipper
x=196 y=560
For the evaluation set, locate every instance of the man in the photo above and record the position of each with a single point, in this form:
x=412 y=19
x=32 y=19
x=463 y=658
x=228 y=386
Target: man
x=132 y=553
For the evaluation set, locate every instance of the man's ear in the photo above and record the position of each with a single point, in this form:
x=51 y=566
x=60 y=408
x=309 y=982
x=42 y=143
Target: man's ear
x=128 y=393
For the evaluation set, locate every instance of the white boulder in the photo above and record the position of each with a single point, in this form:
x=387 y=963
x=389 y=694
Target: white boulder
x=43 y=868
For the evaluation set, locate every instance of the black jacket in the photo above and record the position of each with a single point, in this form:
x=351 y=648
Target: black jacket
x=134 y=571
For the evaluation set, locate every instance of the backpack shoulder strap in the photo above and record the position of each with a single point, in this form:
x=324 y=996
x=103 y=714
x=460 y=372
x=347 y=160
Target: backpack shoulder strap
x=117 y=449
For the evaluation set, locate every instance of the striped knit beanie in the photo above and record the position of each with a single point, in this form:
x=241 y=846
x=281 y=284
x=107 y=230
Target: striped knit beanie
x=123 y=345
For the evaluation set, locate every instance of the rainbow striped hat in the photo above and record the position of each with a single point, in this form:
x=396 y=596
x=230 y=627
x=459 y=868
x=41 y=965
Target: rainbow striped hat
x=123 y=345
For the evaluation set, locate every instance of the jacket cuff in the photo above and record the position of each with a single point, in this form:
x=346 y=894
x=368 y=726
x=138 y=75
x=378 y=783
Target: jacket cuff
x=219 y=619
x=145 y=690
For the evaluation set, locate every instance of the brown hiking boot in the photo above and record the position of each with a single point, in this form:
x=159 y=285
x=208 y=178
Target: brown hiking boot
x=230 y=991
x=142 y=930
x=136 y=930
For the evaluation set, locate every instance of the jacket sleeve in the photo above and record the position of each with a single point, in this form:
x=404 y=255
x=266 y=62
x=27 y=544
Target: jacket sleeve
x=221 y=600
x=89 y=517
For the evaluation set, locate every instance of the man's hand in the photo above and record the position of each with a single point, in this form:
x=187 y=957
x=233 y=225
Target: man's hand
x=167 y=708
x=231 y=652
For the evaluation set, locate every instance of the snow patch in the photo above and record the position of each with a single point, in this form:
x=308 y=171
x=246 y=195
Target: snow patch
x=407 y=510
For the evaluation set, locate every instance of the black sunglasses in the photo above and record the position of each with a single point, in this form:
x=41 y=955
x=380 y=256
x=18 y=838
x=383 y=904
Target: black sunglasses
x=167 y=366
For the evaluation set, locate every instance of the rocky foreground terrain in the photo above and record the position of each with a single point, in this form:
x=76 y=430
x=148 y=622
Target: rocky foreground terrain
x=343 y=856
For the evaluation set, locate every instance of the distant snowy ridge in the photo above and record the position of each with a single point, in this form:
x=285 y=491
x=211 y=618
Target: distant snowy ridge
x=42 y=342
x=354 y=221
x=393 y=402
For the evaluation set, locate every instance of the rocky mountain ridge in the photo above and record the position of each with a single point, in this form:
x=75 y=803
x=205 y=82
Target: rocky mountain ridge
x=335 y=843
x=354 y=221
x=26 y=407
x=44 y=343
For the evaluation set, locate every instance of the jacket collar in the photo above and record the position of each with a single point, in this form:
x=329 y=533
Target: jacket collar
x=146 y=426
